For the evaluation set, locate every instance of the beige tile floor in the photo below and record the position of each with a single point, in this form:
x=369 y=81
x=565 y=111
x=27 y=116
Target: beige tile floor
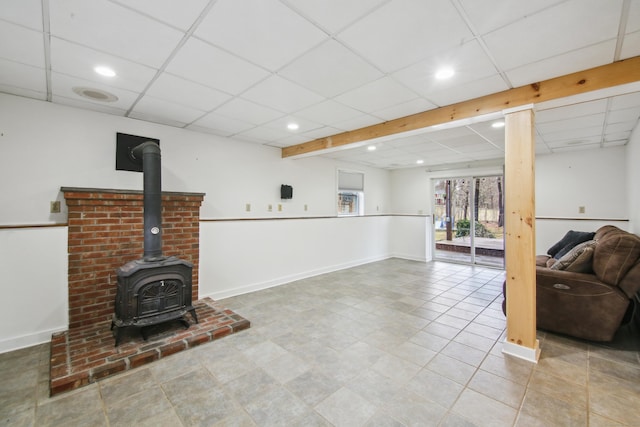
x=391 y=343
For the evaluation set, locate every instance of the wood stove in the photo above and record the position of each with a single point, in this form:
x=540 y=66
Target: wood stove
x=153 y=289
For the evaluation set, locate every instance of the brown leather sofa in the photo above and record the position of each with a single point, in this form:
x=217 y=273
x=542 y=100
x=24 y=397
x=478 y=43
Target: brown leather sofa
x=592 y=300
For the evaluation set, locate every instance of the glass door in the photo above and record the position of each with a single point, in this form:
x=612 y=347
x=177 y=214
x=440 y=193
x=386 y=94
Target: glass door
x=451 y=214
x=468 y=220
x=488 y=211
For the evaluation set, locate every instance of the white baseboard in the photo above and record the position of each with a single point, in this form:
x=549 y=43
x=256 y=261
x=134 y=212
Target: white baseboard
x=16 y=343
x=522 y=352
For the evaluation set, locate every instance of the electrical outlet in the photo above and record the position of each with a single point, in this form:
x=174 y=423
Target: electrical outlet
x=247 y=207
x=270 y=208
x=305 y=208
x=55 y=207
x=581 y=209
x=279 y=208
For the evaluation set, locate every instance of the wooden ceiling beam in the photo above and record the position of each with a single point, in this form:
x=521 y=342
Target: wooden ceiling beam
x=605 y=76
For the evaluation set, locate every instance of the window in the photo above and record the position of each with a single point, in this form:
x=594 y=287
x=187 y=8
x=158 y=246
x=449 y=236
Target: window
x=350 y=193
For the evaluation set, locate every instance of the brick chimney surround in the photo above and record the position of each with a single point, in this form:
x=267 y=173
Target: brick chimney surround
x=105 y=231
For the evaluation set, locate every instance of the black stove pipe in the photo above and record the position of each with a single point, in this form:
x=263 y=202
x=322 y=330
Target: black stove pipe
x=149 y=154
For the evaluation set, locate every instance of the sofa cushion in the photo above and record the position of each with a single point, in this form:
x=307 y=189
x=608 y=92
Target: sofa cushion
x=614 y=255
x=568 y=242
x=578 y=259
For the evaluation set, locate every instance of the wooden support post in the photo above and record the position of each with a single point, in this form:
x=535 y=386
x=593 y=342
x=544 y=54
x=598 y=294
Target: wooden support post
x=520 y=234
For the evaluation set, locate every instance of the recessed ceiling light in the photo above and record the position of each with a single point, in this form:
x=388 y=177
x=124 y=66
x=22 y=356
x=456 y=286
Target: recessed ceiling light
x=104 y=71
x=445 y=73
x=497 y=125
x=95 y=94
x=293 y=126
x=419 y=162
x=371 y=148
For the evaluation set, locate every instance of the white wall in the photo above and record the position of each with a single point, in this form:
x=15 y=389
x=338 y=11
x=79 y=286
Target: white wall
x=33 y=262
x=595 y=179
x=410 y=237
x=632 y=179
x=44 y=147
x=237 y=257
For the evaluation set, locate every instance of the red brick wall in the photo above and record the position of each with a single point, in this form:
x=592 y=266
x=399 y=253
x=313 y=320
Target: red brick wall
x=105 y=232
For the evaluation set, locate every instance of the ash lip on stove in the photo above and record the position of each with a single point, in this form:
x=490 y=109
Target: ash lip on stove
x=156 y=288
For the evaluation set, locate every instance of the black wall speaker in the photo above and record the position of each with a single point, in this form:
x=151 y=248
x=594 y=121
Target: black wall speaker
x=124 y=144
x=286 y=192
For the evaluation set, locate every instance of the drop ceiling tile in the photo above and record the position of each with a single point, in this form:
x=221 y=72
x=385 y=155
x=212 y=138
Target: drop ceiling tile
x=330 y=69
x=469 y=61
x=582 y=122
x=24 y=92
x=629 y=100
x=186 y=93
x=282 y=123
x=125 y=33
x=407 y=141
x=30 y=49
x=265 y=32
x=358 y=122
x=467 y=143
x=630 y=115
x=560 y=35
x=567 y=63
x=633 y=17
x=620 y=127
x=178 y=14
x=280 y=94
x=630 y=45
x=220 y=125
x=62 y=85
x=571 y=111
x=448 y=134
x=26 y=77
x=163 y=111
x=490 y=15
x=469 y=90
x=417 y=105
x=248 y=111
x=23 y=12
x=79 y=61
x=266 y=134
x=80 y=103
x=380 y=94
x=329 y=112
x=334 y=15
x=210 y=66
x=320 y=132
x=570 y=134
x=403 y=32
x=576 y=147
x=616 y=136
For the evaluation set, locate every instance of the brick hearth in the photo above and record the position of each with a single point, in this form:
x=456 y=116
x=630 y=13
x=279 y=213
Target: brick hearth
x=105 y=232
x=86 y=354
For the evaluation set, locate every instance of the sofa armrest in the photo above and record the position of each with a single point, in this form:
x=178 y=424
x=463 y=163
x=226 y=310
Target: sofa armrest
x=578 y=304
x=582 y=284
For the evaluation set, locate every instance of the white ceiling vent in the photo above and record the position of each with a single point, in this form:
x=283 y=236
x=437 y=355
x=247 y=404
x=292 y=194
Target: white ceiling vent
x=95 y=94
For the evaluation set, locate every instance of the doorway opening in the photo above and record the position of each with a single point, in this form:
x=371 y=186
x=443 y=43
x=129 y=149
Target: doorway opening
x=468 y=220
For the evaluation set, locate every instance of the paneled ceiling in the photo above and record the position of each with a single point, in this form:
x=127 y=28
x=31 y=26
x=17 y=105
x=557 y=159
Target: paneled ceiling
x=246 y=69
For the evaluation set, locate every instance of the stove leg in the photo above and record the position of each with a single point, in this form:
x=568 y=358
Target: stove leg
x=193 y=314
x=116 y=333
